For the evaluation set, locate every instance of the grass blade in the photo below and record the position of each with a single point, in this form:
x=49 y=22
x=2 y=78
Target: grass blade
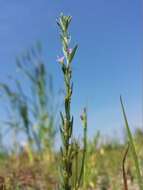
x=133 y=150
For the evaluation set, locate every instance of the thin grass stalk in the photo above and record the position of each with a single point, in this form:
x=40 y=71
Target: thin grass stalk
x=76 y=170
x=133 y=150
x=76 y=165
x=124 y=170
x=82 y=171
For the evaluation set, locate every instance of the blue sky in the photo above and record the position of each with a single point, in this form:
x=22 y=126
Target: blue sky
x=108 y=62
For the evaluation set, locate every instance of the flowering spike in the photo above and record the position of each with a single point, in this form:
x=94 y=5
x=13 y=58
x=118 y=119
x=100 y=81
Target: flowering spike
x=66 y=129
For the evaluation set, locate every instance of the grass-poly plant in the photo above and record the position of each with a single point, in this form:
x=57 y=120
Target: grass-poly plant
x=69 y=152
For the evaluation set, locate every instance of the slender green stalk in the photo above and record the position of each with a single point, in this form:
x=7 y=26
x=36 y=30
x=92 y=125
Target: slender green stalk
x=82 y=171
x=76 y=168
x=133 y=150
x=69 y=150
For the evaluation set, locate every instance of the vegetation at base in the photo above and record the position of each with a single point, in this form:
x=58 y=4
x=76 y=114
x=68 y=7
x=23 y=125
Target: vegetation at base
x=103 y=167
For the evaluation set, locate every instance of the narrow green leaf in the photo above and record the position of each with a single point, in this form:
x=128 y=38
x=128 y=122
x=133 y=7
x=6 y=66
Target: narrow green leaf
x=133 y=150
x=71 y=56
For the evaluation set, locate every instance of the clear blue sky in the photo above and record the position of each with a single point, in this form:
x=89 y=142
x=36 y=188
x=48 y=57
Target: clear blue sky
x=108 y=62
